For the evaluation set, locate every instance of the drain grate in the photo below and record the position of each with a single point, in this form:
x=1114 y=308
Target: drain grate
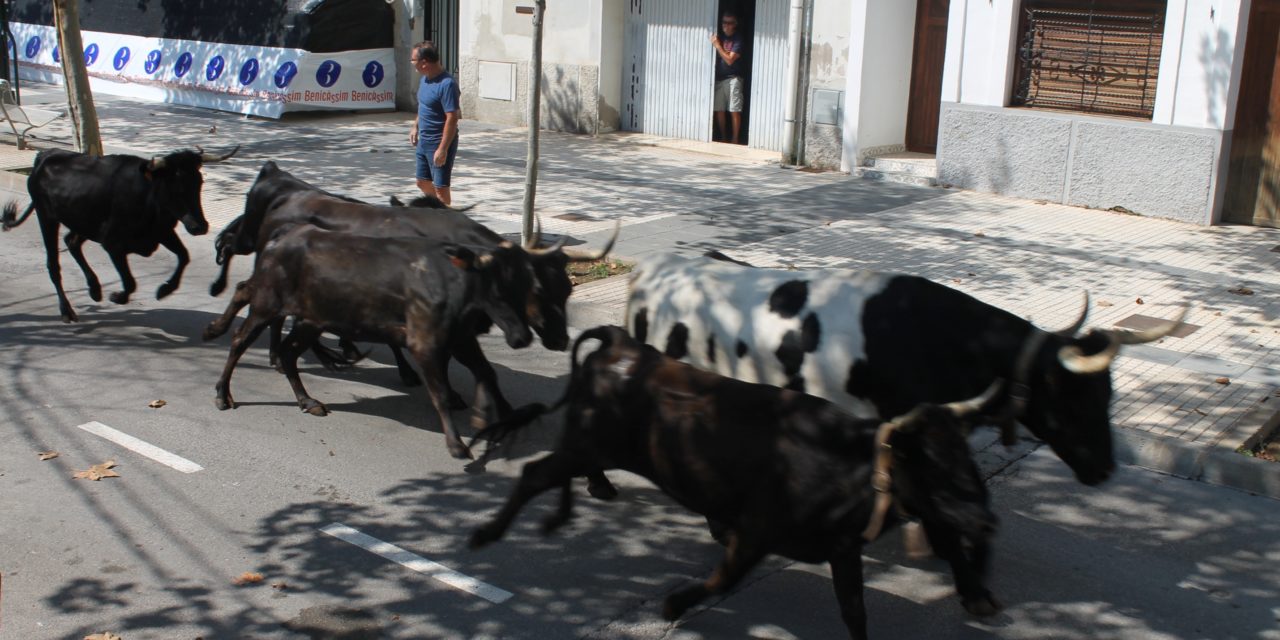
x=1139 y=322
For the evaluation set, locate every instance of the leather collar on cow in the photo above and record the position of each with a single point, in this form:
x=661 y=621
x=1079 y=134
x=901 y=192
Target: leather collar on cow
x=881 y=480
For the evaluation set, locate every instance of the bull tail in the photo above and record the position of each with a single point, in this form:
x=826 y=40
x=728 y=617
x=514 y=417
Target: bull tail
x=224 y=245
x=333 y=360
x=11 y=219
x=522 y=416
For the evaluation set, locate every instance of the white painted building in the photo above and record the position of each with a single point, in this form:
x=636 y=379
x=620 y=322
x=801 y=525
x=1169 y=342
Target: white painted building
x=987 y=85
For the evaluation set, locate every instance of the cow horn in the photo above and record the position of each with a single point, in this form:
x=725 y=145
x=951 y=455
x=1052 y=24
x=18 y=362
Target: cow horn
x=210 y=157
x=1071 y=331
x=963 y=408
x=1074 y=360
x=592 y=256
x=1152 y=334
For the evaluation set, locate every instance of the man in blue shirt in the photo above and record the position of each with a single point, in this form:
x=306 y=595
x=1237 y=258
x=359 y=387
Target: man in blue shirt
x=435 y=130
x=729 y=75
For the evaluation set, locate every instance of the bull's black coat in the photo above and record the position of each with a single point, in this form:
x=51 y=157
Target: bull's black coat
x=783 y=472
x=125 y=203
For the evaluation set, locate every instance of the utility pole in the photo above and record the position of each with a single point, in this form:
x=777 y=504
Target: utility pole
x=535 y=122
x=84 y=117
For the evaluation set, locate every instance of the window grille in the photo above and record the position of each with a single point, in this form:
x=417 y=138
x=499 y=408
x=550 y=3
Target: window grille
x=1090 y=61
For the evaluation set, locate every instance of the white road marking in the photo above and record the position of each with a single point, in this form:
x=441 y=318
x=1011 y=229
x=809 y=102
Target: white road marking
x=418 y=563
x=138 y=446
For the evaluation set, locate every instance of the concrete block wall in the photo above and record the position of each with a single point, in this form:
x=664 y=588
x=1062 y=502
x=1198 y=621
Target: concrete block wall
x=1160 y=171
x=570 y=97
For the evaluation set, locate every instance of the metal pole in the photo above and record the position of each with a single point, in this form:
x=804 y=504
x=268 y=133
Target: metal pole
x=535 y=122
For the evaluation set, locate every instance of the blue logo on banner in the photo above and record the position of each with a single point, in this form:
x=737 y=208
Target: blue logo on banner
x=33 y=46
x=91 y=55
x=285 y=74
x=56 y=56
x=121 y=59
x=153 y=61
x=328 y=73
x=214 y=69
x=249 y=71
x=372 y=74
x=183 y=65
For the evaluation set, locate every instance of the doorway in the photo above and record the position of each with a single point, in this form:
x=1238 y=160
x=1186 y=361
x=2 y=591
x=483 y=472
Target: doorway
x=930 y=52
x=745 y=11
x=441 y=27
x=1253 y=174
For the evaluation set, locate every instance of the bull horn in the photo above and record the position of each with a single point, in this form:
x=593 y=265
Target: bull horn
x=963 y=408
x=592 y=256
x=1071 y=331
x=1152 y=334
x=211 y=157
x=1074 y=360
x=157 y=163
x=536 y=236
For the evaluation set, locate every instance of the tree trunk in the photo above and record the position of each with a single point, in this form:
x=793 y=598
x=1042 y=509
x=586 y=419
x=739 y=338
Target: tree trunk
x=535 y=122
x=84 y=117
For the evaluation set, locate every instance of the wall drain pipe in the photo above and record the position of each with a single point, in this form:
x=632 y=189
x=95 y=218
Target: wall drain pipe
x=795 y=29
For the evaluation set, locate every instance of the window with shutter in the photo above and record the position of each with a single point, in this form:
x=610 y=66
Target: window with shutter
x=1092 y=57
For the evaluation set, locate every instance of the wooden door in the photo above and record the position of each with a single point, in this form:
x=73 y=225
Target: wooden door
x=925 y=102
x=1253 y=178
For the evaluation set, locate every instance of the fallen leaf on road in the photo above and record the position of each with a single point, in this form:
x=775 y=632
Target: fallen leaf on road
x=156 y=404
x=1200 y=412
x=98 y=472
x=1223 y=380
x=1241 y=291
x=105 y=635
x=248 y=577
x=980 y=234
x=280 y=586
x=1139 y=301
x=48 y=455
x=957 y=280
x=1104 y=303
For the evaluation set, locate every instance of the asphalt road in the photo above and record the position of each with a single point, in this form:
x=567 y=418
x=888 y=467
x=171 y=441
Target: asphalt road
x=154 y=553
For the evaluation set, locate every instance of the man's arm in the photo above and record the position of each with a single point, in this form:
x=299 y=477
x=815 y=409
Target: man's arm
x=446 y=137
x=729 y=57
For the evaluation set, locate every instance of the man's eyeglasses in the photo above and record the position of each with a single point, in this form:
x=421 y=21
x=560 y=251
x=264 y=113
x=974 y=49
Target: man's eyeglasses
x=729 y=23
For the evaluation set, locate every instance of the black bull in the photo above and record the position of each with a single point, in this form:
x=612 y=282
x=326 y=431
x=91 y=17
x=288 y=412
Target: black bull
x=125 y=203
x=784 y=472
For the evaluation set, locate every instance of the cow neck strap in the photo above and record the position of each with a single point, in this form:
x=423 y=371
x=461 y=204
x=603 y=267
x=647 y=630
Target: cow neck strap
x=1020 y=389
x=881 y=480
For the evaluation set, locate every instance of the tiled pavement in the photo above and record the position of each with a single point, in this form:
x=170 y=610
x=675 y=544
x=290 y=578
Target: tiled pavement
x=1173 y=411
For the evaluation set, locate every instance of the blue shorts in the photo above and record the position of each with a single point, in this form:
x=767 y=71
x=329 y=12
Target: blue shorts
x=427 y=168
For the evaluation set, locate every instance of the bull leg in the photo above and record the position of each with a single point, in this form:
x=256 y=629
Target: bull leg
x=599 y=486
x=298 y=340
x=427 y=357
x=121 y=260
x=220 y=282
x=249 y=331
x=273 y=350
x=223 y=322
x=555 y=469
x=564 y=510
x=967 y=571
x=410 y=378
x=467 y=350
x=173 y=243
x=49 y=229
x=742 y=555
x=75 y=242
x=846 y=579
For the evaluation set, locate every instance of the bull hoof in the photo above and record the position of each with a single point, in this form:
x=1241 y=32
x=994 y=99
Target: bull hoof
x=95 y=292
x=554 y=522
x=210 y=332
x=69 y=317
x=675 y=605
x=601 y=490
x=314 y=407
x=164 y=290
x=483 y=536
x=119 y=297
x=224 y=402
x=412 y=379
x=460 y=451
x=983 y=606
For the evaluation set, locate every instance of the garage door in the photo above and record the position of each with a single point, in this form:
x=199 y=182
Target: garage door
x=669 y=68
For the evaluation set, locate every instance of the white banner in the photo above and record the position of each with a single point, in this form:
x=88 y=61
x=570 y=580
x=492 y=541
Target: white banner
x=263 y=81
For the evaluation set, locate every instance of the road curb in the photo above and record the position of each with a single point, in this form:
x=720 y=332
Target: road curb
x=1206 y=463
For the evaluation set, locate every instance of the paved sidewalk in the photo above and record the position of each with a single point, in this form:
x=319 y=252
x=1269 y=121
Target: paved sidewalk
x=1183 y=405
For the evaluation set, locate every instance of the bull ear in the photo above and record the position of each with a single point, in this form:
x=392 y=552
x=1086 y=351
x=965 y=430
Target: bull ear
x=396 y=202
x=466 y=259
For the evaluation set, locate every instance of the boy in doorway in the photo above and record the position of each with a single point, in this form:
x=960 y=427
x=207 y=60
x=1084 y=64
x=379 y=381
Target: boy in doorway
x=729 y=75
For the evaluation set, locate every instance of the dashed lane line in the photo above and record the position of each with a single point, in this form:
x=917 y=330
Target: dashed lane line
x=418 y=563
x=138 y=446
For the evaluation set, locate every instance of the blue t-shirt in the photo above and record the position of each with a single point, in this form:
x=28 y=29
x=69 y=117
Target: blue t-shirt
x=436 y=97
x=731 y=44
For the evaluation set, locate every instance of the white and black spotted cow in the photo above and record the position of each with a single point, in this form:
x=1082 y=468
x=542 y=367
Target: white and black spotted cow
x=879 y=344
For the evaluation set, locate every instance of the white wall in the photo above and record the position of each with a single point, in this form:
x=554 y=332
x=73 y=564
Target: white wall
x=878 y=77
x=1202 y=54
x=980 y=51
x=571 y=33
x=829 y=57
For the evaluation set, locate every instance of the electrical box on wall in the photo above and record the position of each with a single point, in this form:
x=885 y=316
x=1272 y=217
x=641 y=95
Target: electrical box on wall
x=497 y=80
x=828 y=106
